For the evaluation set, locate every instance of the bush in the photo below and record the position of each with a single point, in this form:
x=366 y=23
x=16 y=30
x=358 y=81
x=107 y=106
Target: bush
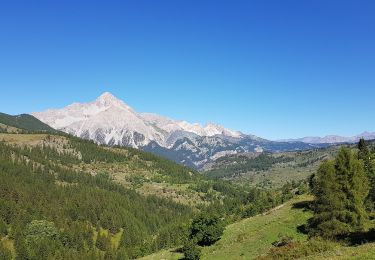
x=103 y=242
x=191 y=251
x=298 y=250
x=283 y=241
x=206 y=229
x=41 y=240
x=5 y=254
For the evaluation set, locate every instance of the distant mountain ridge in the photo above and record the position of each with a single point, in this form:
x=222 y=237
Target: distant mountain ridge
x=108 y=120
x=333 y=139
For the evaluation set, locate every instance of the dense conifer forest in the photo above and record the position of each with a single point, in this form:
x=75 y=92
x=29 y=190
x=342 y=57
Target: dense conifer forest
x=54 y=206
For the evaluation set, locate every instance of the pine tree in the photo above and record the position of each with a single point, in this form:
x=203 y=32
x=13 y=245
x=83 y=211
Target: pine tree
x=371 y=178
x=340 y=188
x=365 y=155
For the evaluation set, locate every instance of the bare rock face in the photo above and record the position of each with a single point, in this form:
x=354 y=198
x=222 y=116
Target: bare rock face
x=108 y=120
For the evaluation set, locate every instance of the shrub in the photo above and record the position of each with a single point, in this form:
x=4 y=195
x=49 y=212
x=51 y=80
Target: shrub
x=5 y=254
x=206 y=229
x=283 y=241
x=297 y=250
x=191 y=251
x=103 y=243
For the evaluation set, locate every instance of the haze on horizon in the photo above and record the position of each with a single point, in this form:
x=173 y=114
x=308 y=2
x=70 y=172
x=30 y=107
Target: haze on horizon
x=276 y=70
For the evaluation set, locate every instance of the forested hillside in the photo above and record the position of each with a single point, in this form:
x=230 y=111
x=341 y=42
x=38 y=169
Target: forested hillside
x=62 y=197
x=337 y=221
x=49 y=210
x=269 y=170
x=23 y=122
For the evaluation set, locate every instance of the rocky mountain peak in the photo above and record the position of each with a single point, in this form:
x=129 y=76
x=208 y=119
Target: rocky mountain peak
x=107 y=100
x=108 y=120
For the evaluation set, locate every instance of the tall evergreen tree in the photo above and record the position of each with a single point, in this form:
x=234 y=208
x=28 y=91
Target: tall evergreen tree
x=340 y=188
x=366 y=156
x=371 y=178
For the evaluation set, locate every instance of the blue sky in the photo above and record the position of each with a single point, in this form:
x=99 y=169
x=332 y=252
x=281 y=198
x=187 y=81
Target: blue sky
x=277 y=69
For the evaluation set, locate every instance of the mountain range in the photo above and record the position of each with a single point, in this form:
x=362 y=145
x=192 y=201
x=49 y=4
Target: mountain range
x=109 y=120
x=333 y=139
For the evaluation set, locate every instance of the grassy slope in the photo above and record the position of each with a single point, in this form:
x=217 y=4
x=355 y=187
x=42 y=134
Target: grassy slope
x=163 y=255
x=253 y=237
x=9 y=129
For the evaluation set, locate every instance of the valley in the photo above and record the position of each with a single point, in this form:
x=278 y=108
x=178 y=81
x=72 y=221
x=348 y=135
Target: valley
x=120 y=202
x=269 y=170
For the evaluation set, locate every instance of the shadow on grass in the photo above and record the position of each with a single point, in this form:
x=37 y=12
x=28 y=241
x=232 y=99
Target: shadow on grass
x=177 y=250
x=359 y=238
x=305 y=205
x=303 y=229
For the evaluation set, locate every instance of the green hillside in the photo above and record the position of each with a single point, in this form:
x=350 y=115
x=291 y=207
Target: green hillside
x=24 y=122
x=62 y=197
x=252 y=238
x=269 y=170
x=96 y=202
x=51 y=208
x=143 y=172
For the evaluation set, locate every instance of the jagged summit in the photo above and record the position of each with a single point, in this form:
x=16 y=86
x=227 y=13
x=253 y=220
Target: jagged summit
x=107 y=99
x=108 y=120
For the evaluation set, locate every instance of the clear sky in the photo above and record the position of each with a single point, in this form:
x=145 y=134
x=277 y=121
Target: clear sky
x=277 y=69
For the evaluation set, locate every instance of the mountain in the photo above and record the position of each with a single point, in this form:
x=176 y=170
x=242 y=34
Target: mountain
x=23 y=122
x=108 y=120
x=333 y=139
